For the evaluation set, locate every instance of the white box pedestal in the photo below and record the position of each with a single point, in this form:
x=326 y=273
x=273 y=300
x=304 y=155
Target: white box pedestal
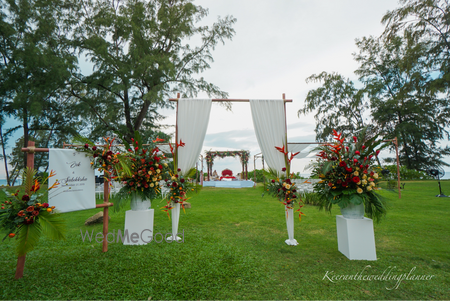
x=356 y=238
x=140 y=223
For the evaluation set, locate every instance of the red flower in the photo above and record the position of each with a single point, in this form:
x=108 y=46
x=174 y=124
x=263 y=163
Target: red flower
x=357 y=153
x=174 y=184
x=330 y=184
x=182 y=180
x=349 y=169
x=35 y=213
x=45 y=205
x=21 y=213
x=30 y=209
x=377 y=152
x=355 y=139
x=25 y=197
x=273 y=181
x=94 y=148
x=363 y=147
x=11 y=235
x=342 y=164
x=355 y=160
x=355 y=179
x=283 y=169
x=86 y=145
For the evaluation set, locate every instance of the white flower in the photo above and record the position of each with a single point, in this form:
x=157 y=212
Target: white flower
x=152 y=185
x=372 y=184
x=356 y=173
x=174 y=178
x=364 y=177
x=158 y=170
x=288 y=186
x=359 y=190
x=364 y=182
x=375 y=175
x=369 y=188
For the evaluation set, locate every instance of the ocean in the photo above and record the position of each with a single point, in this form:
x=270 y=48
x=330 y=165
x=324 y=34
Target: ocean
x=3 y=182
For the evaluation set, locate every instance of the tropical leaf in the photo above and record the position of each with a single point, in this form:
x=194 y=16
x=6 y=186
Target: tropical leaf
x=52 y=225
x=28 y=178
x=28 y=238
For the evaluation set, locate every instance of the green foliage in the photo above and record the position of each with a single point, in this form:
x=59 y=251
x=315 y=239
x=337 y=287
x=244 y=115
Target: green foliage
x=310 y=198
x=260 y=175
x=406 y=174
x=337 y=105
x=141 y=56
x=406 y=85
x=397 y=81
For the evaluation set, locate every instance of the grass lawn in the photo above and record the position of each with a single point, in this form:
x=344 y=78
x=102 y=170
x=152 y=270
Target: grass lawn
x=234 y=249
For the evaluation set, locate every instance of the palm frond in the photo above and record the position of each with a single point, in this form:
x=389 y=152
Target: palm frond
x=53 y=225
x=28 y=238
x=28 y=176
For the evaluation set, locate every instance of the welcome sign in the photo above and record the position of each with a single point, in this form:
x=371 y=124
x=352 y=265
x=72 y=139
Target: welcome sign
x=76 y=190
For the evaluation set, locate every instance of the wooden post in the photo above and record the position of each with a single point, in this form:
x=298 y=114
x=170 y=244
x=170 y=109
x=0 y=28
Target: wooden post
x=30 y=163
x=398 y=167
x=106 y=182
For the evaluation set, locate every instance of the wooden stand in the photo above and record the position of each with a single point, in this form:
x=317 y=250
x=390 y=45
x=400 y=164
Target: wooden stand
x=31 y=149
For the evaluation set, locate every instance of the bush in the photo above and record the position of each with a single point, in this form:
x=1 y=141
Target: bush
x=260 y=173
x=310 y=198
x=405 y=173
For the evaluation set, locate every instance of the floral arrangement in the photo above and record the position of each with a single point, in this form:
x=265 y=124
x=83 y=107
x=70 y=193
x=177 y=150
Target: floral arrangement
x=244 y=155
x=347 y=174
x=26 y=215
x=178 y=190
x=145 y=170
x=285 y=190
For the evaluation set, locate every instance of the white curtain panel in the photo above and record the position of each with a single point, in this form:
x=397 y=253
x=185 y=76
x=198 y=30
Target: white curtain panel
x=193 y=118
x=269 y=121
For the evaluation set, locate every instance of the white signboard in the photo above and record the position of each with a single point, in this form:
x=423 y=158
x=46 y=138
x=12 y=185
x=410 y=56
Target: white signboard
x=76 y=190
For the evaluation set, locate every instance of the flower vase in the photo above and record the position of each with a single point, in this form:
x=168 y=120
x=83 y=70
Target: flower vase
x=353 y=211
x=175 y=220
x=138 y=203
x=290 y=227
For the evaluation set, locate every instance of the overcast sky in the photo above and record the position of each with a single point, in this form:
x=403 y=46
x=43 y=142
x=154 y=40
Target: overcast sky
x=277 y=45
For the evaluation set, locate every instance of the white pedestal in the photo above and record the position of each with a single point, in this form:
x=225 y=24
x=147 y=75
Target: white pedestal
x=290 y=227
x=139 y=226
x=175 y=221
x=356 y=238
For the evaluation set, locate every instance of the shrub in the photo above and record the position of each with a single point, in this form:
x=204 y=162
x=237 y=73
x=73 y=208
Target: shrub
x=310 y=198
x=406 y=174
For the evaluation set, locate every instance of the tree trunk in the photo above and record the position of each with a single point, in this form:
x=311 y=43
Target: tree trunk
x=25 y=135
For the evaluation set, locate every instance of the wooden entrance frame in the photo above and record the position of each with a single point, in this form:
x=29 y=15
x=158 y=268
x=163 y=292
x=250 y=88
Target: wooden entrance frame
x=30 y=150
x=224 y=100
x=243 y=155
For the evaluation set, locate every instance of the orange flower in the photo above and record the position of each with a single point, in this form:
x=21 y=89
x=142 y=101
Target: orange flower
x=11 y=235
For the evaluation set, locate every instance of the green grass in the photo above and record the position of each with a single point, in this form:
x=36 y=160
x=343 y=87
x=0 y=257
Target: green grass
x=234 y=249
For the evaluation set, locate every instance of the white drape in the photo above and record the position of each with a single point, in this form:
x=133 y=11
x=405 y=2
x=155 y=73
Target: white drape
x=269 y=121
x=193 y=118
